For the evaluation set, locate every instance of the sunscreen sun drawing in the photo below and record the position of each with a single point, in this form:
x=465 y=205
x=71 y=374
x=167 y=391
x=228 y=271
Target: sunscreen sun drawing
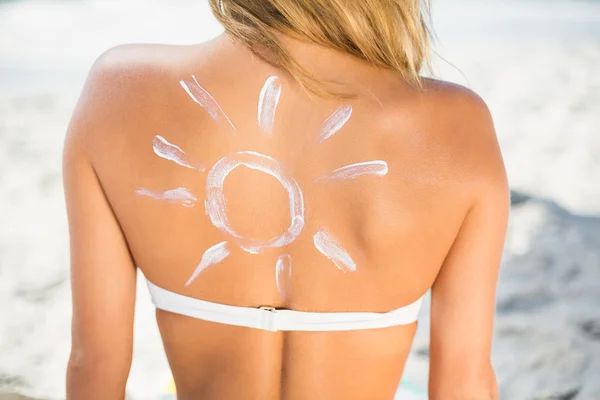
x=216 y=202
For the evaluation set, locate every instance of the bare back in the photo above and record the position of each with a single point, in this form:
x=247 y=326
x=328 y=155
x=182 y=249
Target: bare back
x=231 y=184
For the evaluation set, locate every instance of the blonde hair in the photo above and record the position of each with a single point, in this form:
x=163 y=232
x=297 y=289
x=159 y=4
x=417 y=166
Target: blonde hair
x=391 y=34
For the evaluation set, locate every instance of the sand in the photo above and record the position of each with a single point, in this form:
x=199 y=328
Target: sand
x=537 y=66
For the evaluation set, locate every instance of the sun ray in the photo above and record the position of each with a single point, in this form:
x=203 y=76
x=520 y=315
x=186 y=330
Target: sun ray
x=213 y=255
x=335 y=122
x=202 y=97
x=376 y=167
x=174 y=196
x=171 y=152
x=332 y=249
x=267 y=104
x=283 y=275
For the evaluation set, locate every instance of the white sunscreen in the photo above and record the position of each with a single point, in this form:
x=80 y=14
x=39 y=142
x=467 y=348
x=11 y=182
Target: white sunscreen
x=174 y=196
x=216 y=203
x=213 y=255
x=352 y=171
x=283 y=275
x=206 y=101
x=335 y=122
x=332 y=249
x=267 y=104
x=171 y=152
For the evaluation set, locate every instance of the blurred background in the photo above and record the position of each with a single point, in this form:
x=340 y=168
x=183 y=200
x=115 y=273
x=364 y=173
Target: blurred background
x=537 y=65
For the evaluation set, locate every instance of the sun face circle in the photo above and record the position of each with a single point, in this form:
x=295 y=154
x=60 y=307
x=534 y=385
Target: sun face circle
x=216 y=203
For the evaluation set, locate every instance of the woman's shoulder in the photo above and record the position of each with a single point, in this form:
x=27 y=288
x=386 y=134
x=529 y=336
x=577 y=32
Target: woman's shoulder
x=126 y=90
x=140 y=64
x=444 y=109
x=456 y=99
x=459 y=124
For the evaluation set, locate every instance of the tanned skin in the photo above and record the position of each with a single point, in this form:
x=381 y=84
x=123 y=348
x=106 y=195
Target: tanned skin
x=436 y=220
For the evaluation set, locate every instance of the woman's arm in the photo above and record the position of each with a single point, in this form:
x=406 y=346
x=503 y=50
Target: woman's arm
x=103 y=274
x=464 y=293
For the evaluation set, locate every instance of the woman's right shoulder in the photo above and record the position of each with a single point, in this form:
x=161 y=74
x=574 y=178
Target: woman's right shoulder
x=142 y=62
x=126 y=89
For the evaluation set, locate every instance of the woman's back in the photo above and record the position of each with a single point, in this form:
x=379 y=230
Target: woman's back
x=231 y=184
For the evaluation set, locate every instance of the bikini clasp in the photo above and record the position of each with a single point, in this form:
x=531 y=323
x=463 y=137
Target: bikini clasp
x=267 y=318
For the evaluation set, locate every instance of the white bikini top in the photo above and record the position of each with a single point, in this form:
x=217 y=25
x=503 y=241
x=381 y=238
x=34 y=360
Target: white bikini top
x=271 y=319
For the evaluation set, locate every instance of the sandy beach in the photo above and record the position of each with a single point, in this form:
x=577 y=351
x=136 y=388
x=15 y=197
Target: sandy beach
x=537 y=65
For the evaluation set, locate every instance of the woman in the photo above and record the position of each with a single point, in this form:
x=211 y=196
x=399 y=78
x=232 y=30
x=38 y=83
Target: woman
x=290 y=190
